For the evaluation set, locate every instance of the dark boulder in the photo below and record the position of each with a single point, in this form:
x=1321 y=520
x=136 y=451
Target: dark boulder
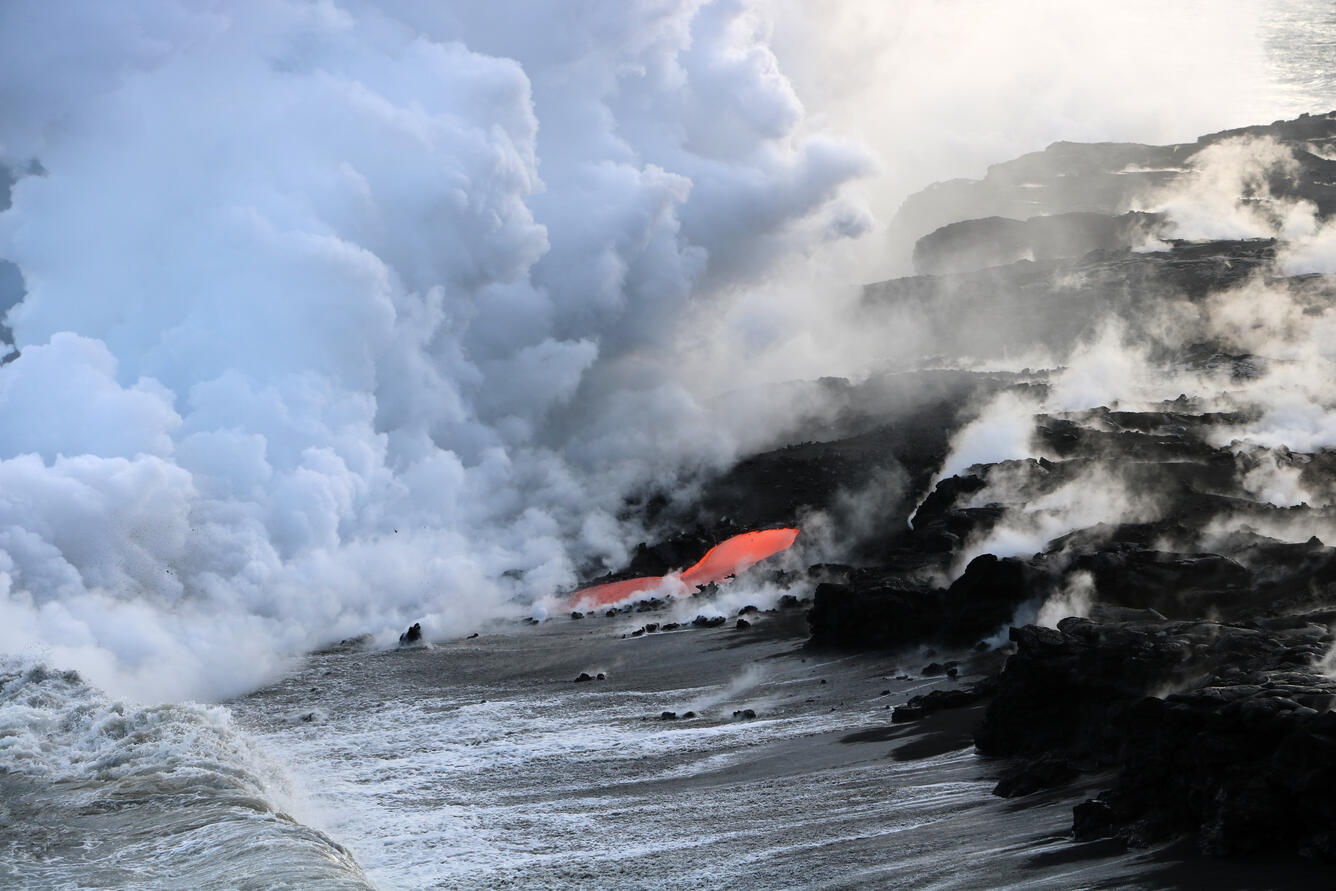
x=1046 y=772
x=412 y=635
x=1092 y=819
x=903 y=714
x=986 y=596
x=940 y=700
x=869 y=613
x=1069 y=690
x=887 y=609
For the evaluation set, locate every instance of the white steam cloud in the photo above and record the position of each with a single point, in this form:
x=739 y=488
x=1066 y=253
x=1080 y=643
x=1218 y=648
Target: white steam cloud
x=321 y=298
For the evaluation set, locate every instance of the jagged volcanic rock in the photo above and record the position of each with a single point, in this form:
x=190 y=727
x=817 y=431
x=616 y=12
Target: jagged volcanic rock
x=1051 y=304
x=998 y=241
x=1197 y=679
x=1108 y=178
x=1221 y=731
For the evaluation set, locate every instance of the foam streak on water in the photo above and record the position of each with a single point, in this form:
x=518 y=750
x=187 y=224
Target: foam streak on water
x=481 y=764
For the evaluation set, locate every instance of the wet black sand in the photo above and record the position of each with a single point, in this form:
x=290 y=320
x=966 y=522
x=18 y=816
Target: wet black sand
x=481 y=762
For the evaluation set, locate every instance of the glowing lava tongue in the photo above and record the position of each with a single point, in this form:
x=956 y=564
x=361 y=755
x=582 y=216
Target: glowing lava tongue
x=730 y=557
x=738 y=554
x=614 y=592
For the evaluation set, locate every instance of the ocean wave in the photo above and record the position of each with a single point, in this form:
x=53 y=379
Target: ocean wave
x=99 y=792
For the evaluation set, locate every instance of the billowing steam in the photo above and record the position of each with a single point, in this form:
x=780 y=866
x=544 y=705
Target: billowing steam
x=322 y=299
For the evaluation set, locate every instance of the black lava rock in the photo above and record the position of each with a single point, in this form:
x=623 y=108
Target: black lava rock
x=1224 y=732
x=939 y=700
x=1047 y=772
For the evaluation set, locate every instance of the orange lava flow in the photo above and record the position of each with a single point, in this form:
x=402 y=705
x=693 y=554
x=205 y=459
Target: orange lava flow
x=614 y=592
x=738 y=554
x=730 y=557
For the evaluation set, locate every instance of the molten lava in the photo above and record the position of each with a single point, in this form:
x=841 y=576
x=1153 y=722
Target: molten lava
x=727 y=558
x=614 y=592
x=737 y=554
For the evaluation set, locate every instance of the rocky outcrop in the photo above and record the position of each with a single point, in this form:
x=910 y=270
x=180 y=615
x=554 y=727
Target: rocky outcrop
x=1201 y=681
x=1224 y=732
x=886 y=610
x=1051 y=304
x=1177 y=562
x=1110 y=178
x=1195 y=677
x=999 y=241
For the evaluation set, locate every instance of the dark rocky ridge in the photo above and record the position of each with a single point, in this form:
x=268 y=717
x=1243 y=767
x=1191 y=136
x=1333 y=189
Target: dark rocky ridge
x=999 y=241
x=1199 y=679
x=1109 y=178
x=1051 y=304
x=1243 y=757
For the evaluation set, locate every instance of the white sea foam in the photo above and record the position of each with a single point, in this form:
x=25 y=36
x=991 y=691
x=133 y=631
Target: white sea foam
x=104 y=792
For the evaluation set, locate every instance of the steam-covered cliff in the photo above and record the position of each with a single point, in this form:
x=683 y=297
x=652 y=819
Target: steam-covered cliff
x=1121 y=431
